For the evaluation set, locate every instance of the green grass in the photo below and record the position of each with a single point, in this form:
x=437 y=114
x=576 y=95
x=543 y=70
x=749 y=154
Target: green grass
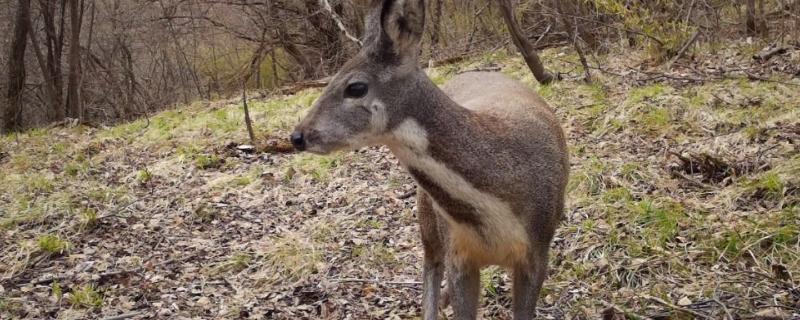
x=205 y=161
x=235 y=263
x=144 y=176
x=39 y=183
x=370 y=224
x=242 y=181
x=72 y=169
x=769 y=185
x=645 y=93
x=56 y=290
x=87 y=217
x=656 y=119
x=290 y=258
x=318 y=167
x=52 y=244
x=660 y=219
x=489 y=280
x=203 y=214
x=86 y=297
x=376 y=255
x=9 y=306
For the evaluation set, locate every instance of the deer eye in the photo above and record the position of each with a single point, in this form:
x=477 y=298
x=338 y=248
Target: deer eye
x=356 y=90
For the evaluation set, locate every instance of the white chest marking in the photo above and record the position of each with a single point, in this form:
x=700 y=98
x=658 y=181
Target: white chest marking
x=501 y=238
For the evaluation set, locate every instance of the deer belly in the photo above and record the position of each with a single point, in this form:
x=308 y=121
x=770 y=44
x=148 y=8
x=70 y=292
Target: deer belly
x=498 y=240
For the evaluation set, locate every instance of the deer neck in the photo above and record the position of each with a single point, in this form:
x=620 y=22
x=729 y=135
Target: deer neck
x=433 y=125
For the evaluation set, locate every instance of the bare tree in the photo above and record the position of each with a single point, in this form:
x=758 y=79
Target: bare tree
x=16 y=68
x=525 y=47
x=74 y=103
x=54 y=42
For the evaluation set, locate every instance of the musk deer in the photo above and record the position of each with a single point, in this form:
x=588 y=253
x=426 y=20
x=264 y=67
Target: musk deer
x=487 y=153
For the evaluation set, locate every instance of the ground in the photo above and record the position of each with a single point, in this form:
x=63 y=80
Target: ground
x=683 y=202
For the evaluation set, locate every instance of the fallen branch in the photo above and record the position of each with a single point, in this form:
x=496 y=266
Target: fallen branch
x=300 y=86
x=481 y=69
x=356 y=280
x=123 y=316
x=764 y=56
x=683 y=49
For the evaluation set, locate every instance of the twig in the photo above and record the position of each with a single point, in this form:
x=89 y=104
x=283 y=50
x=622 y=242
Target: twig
x=676 y=307
x=124 y=315
x=481 y=69
x=248 y=123
x=683 y=49
x=407 y=195
x=339 y=23
x=356 y=280
x=724 y=308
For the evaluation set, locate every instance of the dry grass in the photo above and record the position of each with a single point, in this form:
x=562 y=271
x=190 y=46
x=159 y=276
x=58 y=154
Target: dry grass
x=683 y=192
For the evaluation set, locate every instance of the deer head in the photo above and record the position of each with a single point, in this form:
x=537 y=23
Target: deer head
x=366 y=97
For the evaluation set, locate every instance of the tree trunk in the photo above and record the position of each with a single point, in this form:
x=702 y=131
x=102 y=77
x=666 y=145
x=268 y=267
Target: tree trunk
x=16 y=69
x=524 y=46
x=54 y=42
x=752 y=27
x=74 y=107
x=437 y=26
x=49 y=89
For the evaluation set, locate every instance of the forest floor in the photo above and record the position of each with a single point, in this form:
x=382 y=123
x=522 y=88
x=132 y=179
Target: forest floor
x=683 y=202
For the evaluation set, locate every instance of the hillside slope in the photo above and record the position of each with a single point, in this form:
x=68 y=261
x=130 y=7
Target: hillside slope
x=684 y=198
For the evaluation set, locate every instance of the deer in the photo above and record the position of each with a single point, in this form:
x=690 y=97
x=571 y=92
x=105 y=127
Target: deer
x=488 y=155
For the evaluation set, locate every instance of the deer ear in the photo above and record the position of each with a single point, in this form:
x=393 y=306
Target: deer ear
x=395 y=30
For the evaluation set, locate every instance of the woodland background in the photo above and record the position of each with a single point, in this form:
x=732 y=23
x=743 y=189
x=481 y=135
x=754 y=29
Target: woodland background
x=107 y=61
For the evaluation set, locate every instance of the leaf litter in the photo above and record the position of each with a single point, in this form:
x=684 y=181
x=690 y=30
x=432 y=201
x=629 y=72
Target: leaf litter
x=684 y=201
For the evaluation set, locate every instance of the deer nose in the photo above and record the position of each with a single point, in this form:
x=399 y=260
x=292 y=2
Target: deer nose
x=297 y=141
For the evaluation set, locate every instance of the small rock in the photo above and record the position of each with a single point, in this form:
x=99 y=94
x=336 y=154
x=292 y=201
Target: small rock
x=685 y=301
x=164 y=312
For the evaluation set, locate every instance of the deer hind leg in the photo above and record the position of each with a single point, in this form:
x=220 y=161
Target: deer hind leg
x=434 y=251
x=528 y=278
